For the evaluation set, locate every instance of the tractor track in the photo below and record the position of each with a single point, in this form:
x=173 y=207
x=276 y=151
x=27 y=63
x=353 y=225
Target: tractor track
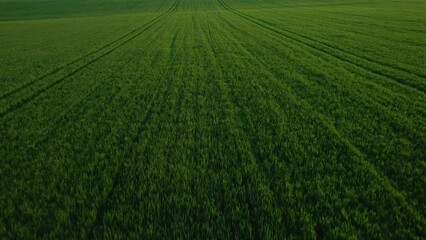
x=267 y=26
x=121 y=42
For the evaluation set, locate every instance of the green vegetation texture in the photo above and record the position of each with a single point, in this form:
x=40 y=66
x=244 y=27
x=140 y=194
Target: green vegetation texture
x=212 y=119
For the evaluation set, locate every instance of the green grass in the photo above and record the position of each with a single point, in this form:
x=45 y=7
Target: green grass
x=212 y=119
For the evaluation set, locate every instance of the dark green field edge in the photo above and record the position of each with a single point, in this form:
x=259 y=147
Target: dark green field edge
x=362 y=62
x=104 y=97
x=369 y=106
x=14 y=99
x=42 y=10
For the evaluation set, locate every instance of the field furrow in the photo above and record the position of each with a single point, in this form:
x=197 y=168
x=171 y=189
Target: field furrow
x=312 y=90
x=416 y=84
x=15 y=102
x=212 y=119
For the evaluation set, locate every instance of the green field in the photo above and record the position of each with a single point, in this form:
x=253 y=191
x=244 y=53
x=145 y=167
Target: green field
x=212 y=119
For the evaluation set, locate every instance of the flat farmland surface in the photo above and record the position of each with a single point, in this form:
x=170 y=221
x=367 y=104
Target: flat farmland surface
x=212 y=119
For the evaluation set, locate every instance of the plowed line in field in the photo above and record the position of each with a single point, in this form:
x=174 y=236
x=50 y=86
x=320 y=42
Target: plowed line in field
x=12 y=92
x=239 y=136
x=245 y=153
x=78 y=107
x=420 y=89
x=354 y=55
x=13 y=107
x=161 y=92
x=371 y=100
x=386 y=182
